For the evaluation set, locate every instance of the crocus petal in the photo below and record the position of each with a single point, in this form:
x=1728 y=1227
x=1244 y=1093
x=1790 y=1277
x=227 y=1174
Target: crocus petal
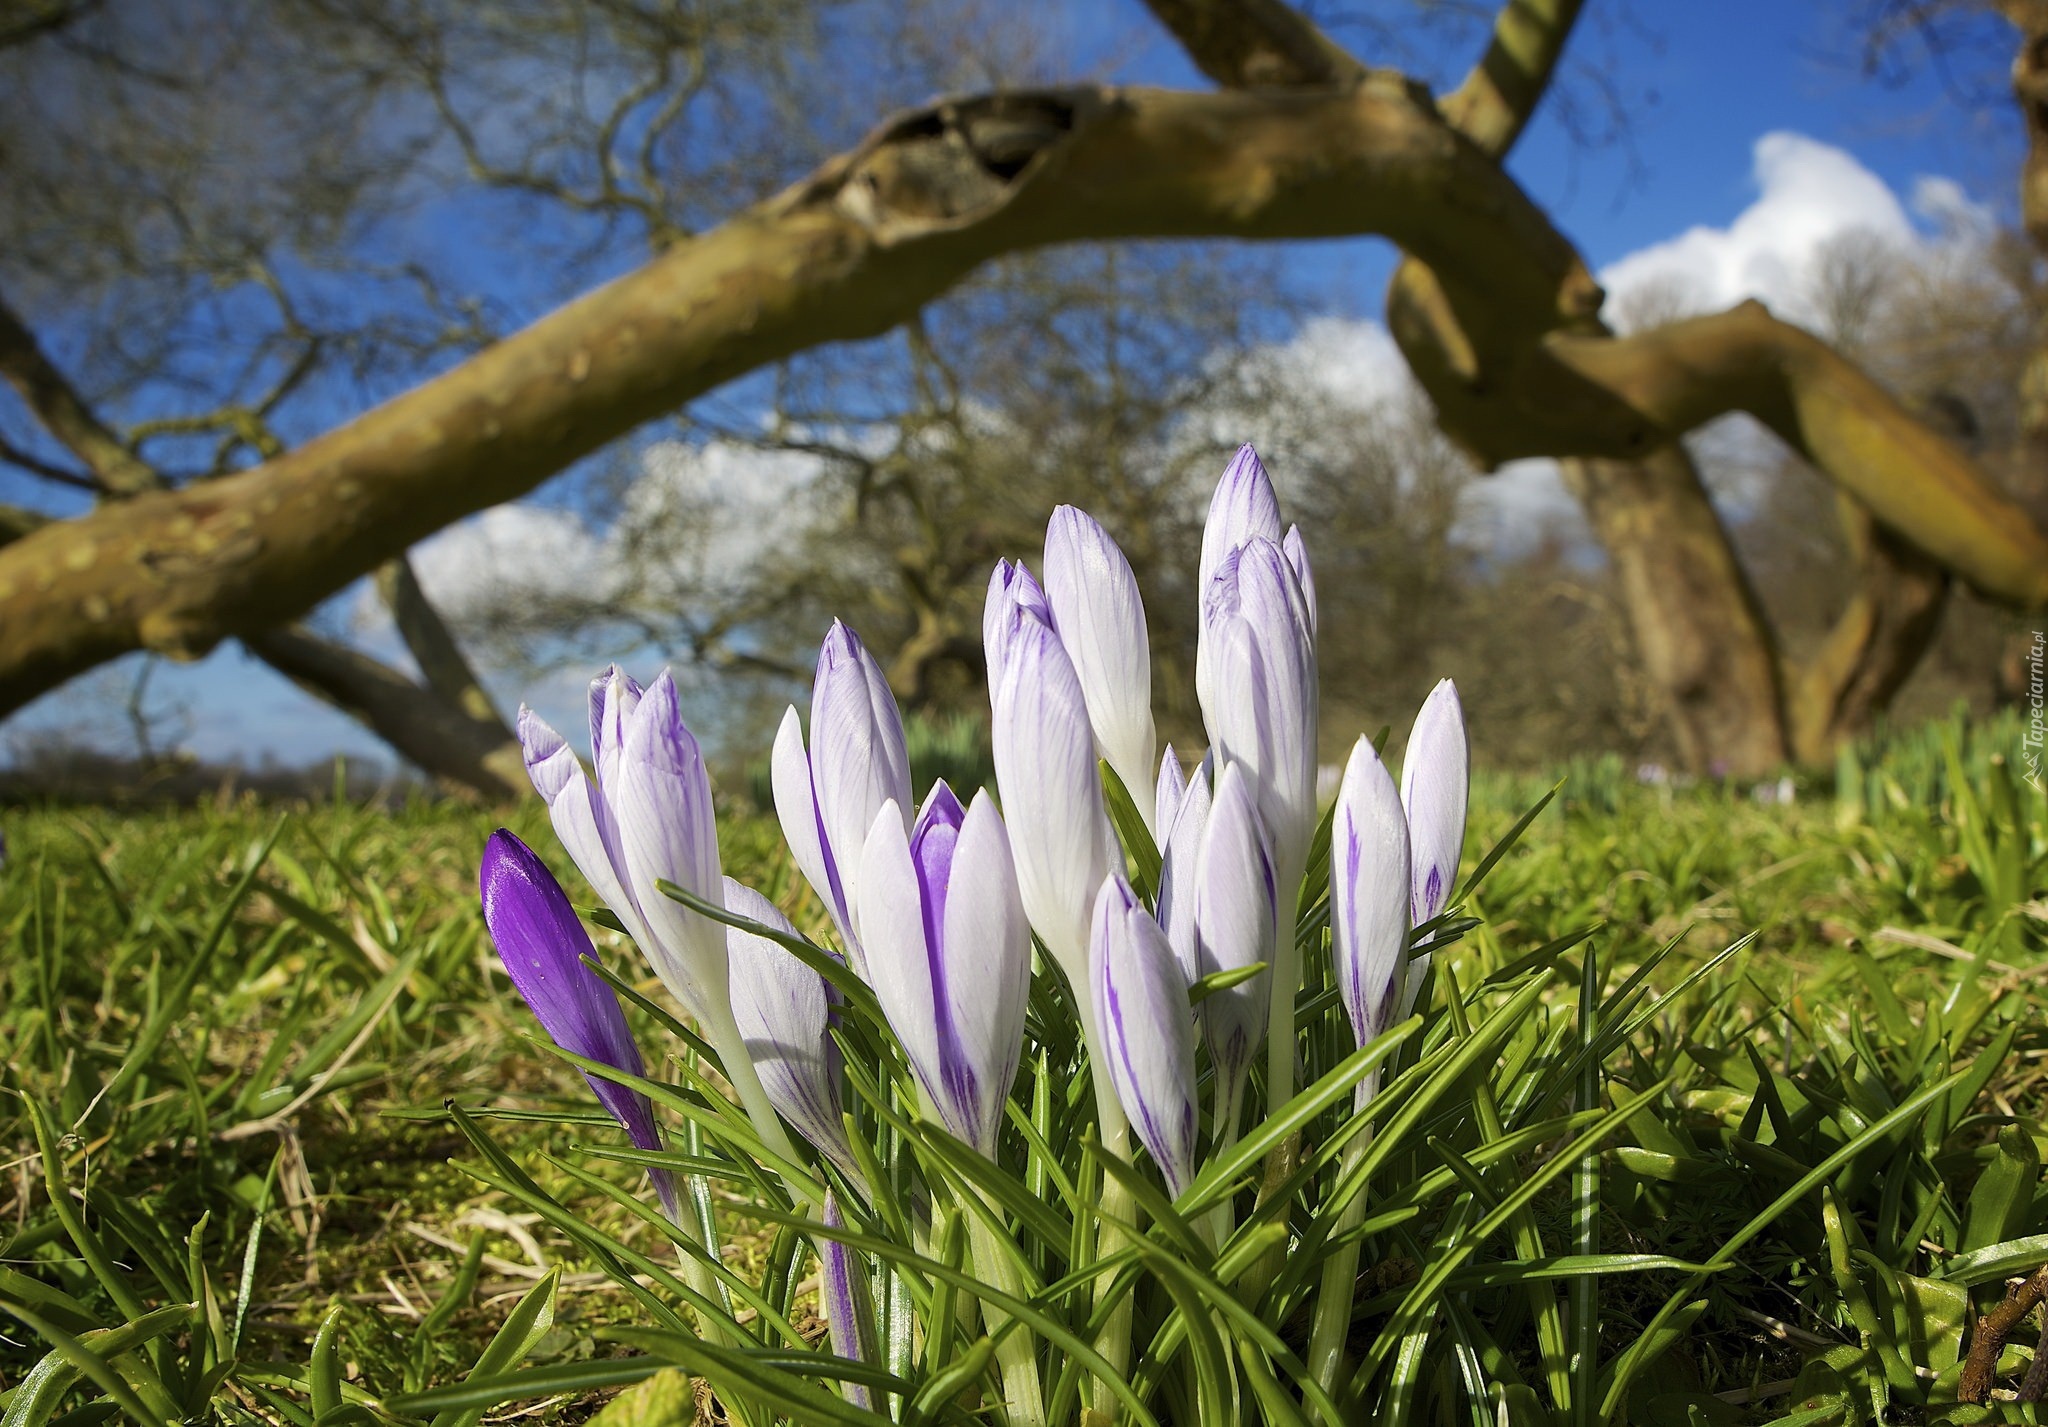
x=858 y=755
x=796 y=808
x=1052 y=794
x=901 y=957
x=1260 y=697
x=1435 y=772
x=985 y=977
x=1101 y=620
x=1179 y=861
x=613 y=697
x=543 y=945
x=1243 y=507
x=1013 y=596
x=1166 y=794
x=1368 y=893
x=1236 y=921
x=582 y=820
x=1147 y=1029
x=848 y=1308
x=784 y=1012
x=663 y=805
x=1297 y=560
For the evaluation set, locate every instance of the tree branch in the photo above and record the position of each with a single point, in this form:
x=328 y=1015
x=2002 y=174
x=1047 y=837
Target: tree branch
x=1496 y=100
x=17 y=521
x=426 y=635
x=1256 y=44
x=59 y=407
x=464 y=752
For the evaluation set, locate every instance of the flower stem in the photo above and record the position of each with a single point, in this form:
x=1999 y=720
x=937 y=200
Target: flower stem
x=1118 y=1208
x=1340 y=1273
x=1016 y=1354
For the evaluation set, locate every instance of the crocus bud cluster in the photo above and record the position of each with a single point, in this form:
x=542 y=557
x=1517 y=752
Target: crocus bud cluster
x=935 y=906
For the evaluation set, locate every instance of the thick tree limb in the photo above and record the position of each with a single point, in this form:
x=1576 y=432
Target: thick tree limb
x=432 y=645
x=1256 y=44
x=60 y=408
x=871 y=237
x=15 y=522
x=465 y=753
x=1496 y=100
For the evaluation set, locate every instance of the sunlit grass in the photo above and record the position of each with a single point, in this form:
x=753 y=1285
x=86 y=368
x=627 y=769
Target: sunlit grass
x=238 y=1028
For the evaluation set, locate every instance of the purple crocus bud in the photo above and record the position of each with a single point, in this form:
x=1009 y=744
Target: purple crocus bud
x=1051 y=790
x=1435 y=777
x=1180 y=853
x=1242 y=508
x=827 y=798
x=543 y=945
x=784 y=1011
x=1369 y=895
x=848 y=1309
x=1146 y=1028
x=1259 y=694
x=668 y=832
x=950 y=955
x=1236 y=922
x=1101 y=620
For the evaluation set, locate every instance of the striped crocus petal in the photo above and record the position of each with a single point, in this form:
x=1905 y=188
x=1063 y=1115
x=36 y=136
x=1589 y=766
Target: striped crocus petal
x=1236 y=921
x=1435 y=773
x=1242 y=507
x=858 y=755
x=784 y=1012
x=1369 y=894
x=796 y=808
x=613 y=697
x=1297 y=560
x=1100 y=618
x=848 y=1307
x=1179 y=858
x=1013 y=599
x=1259 y=697
x=1166 y=794
x=950 y=956
x=1435 y=776
x=1146 y=1029
x=666 y=826
x=543 y=945
x=1052 y=792
x=582 y=818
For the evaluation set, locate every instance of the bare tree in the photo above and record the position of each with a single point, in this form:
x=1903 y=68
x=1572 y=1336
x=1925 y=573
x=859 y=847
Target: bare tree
x=1496 y=314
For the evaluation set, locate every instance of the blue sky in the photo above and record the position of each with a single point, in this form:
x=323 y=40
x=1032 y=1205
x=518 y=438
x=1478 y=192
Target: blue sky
x=1701 y=84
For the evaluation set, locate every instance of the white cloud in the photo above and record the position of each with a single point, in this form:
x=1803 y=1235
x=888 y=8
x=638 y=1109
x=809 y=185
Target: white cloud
x=505 y=553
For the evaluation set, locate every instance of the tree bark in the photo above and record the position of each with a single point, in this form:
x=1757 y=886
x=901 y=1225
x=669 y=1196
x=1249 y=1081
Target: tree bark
x=1698 y=629
x=467 y=755
x=432 y=644
x=1508 y=344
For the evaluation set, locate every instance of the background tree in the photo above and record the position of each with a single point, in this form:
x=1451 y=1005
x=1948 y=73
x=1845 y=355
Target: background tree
x=669 y=129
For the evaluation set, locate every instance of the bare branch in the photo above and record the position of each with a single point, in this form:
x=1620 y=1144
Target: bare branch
x=1497 y=98
x=64 y=412
x=1256 y=44
x=17 y=521
x=441 y=660
x=45 y=470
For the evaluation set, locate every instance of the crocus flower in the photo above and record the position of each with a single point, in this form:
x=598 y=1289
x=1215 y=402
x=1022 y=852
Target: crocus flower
x=1435 y=776
x=784 y=1011
x=647 y=819
x=1242 y=507
x=1100 y=619
x=1369 y=883
x=543 y=945
x=849 y=1311
x=1236 y=921
x=827 y=797
x=950 y=955
x=1045 y=769
x=1183 y=814
x=1147 y=1031
x=1260 y=697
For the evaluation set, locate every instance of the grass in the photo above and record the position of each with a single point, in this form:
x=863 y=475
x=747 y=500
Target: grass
x=229 y=1035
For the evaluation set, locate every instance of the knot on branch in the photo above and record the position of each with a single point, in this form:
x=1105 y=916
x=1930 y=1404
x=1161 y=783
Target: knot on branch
x=953 y=161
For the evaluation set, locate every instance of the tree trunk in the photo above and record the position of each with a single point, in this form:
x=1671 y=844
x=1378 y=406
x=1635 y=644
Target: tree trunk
x=1697 y=626
x=465 y=754
x=1880 y=638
